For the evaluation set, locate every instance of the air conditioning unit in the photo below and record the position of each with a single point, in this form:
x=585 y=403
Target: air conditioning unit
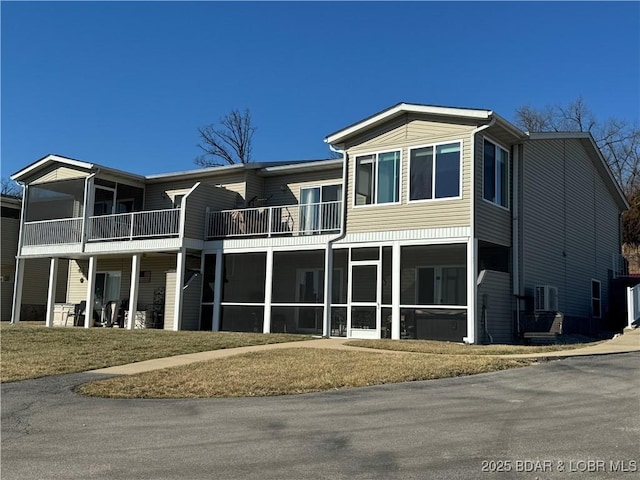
x=546 y=299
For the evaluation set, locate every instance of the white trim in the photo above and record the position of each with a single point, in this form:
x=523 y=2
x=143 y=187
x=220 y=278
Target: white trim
x=460 y=195
x=376 y=161
x=91 y=289
x=133 y=290
x=180 y=271
x=268 y=289
x=217 y=293
x=396 y=278
x=48 y=159
x=408 y=108
x=17 y=291
x=51 y=293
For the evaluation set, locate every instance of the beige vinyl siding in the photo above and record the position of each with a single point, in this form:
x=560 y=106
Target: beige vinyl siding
x=293 y=184
x=492 y=222
x=570 y=224
x=157 y=265
x=499 y=321
x=10 y=229
x=160 y=195
x=412 y=215
x=195 y=210
x=169 y=299
x=59 y=173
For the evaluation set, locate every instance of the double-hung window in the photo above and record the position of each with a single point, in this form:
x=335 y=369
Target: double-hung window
x=496 y=174
x=435 y=171
x=378 y=178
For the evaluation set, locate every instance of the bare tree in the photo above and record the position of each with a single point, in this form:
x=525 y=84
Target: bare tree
x=619 y=140
x=10 y=188
x=227 y=143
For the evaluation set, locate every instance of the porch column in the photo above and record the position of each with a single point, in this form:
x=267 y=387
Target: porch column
x=51 y=294
x=328 y=291
x=17 y=291
x=177 y=314
x=268 y=287
x=472 y=293
x=395 y=291
x=133 y=292
x=217 y=293
x=91 y=289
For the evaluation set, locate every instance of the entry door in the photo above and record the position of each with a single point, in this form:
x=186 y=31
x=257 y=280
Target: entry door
x=363 y=318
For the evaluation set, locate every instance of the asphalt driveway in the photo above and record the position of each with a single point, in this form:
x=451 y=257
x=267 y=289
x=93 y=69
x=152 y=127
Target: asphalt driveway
x=573 y=418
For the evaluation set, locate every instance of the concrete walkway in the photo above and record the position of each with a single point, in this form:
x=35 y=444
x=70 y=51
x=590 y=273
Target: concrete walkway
x=629 y=342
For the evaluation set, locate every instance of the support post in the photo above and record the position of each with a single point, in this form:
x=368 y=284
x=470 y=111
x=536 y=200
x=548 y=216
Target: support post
x=91 y=289
x=180 y=265
x=17 y=291
x=51 y=294
x=473 y=323
x=133 y=291
x=268 y=284
x=395 y=291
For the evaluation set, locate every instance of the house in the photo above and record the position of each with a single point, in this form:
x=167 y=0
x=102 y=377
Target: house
x=35 y=298
x=437 y=223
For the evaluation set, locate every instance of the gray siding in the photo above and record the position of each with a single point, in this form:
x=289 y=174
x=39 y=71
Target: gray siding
x=492 y=222
x=498 y=315
x=570 y=224
x=10 y=228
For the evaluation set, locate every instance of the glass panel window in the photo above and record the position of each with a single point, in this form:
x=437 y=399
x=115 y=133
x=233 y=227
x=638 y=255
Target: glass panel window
x=421 y=167
x=435 y=172
x=496 y=174
x=596 y=303
x=377 y=178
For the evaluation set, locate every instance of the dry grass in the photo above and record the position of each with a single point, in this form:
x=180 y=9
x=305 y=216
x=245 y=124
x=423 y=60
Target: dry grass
x=291 y=371
x=32 y=351
x=448 y=348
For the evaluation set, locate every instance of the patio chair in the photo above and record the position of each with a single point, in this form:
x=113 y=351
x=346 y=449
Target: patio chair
x=77 y=314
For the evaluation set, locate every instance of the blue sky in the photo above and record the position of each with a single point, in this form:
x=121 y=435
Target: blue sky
x=126 y=84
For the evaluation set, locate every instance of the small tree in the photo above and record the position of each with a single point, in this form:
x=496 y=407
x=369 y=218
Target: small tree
x=10 y=188
x=227 y=143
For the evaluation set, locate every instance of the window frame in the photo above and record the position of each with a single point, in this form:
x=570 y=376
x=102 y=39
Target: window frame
x=495 y=174
x=376 y=162
x=433 y=169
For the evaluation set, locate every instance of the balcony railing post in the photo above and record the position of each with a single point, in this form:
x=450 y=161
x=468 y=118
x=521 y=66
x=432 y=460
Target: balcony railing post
x=270 y=219
x=131 y=226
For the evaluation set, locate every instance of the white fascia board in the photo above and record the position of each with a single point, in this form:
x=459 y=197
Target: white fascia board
x=48 y=159
x=407 y=108
x=199 y=173
x=303 y=167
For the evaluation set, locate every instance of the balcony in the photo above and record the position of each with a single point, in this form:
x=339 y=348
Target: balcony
x=121 y=226
x=134 y=225
x=283 y=220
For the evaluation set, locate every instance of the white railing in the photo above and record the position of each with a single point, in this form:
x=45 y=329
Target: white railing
x=133 y=225
x=306 y=219
x=52 y=232
x=633 y=304
x=620 y=266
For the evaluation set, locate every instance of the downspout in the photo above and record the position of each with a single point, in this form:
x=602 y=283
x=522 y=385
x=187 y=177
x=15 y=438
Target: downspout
x=471 y=246
x=328 y=260
x=515 y=228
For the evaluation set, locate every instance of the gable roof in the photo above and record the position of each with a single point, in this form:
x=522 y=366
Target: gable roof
x=52 y=159
x=480 y=116
x=592 y=149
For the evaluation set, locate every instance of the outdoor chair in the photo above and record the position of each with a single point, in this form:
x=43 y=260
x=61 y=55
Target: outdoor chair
x=78 y=314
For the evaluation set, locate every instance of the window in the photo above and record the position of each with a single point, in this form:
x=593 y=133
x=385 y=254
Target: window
x=596 y=305
x=320 y=208
x=435 y=172
x=441 y=285
x=496 y=174
x=377 y=178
